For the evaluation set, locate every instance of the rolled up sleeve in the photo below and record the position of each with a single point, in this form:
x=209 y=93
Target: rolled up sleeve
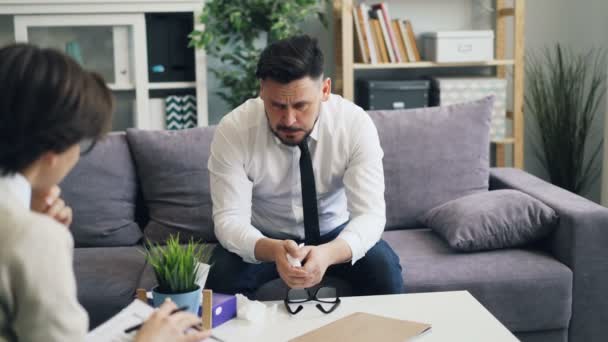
x=364 y=186
x=231 y=193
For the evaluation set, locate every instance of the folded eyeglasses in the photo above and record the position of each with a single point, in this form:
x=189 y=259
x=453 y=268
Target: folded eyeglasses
x=327 y=298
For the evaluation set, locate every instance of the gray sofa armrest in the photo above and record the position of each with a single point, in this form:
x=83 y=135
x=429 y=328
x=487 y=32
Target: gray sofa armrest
x=580 y=242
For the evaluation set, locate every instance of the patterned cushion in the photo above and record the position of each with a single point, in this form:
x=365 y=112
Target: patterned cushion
x=180 y=112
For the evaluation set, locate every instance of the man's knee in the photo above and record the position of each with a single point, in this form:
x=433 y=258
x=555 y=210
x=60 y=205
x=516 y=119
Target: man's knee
x=383 y=269
x=226 y=270
x=230 y=274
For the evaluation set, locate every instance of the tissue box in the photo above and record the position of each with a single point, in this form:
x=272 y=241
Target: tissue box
x=223 y=308
x=449 y=90
x=459 y=46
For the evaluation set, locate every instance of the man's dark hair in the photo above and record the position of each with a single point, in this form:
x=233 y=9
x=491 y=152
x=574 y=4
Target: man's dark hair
x=48 y=102
x=291 y=59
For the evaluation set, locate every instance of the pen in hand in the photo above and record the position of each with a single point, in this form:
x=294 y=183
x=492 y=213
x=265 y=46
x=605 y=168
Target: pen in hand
x=137 y=326
x=182 y=308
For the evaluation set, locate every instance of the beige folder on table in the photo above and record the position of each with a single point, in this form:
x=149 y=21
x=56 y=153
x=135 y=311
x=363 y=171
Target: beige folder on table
x=364 y=327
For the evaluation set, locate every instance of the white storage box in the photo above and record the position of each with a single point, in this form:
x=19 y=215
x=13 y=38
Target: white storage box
x=459 y=46
x=448 y=90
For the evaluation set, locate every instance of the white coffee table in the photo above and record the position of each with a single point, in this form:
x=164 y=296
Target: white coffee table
x=454 y=316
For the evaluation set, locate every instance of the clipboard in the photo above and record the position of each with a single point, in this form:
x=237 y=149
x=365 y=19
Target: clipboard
x=364 y=327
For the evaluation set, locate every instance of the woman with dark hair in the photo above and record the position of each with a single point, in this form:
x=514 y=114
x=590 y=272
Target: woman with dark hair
x=51 y=111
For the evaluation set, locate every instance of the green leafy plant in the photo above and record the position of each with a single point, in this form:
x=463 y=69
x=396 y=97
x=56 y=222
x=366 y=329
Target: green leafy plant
x=564 y=92
x=176 y=266
x=233 y=29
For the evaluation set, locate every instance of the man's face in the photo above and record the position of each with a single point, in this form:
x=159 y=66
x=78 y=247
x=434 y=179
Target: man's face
x=292 y=109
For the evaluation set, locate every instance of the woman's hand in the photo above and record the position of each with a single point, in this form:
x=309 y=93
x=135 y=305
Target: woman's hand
x=163 y=326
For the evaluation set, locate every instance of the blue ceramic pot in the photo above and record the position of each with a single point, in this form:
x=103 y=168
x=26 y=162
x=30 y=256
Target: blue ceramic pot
x=190 y=299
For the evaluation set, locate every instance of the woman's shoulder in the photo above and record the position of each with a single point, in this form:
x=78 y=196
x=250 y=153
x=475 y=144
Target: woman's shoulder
x=24 y=230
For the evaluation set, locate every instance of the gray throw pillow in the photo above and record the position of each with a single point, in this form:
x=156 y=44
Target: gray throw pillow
x=433 y=155
x=172 y=169
x=102 y=191
x=491 y=220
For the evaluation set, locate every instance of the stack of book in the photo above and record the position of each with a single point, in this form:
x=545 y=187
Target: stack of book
x=381 y=39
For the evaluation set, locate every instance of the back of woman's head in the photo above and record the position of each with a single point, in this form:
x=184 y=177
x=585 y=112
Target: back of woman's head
x=48 y=103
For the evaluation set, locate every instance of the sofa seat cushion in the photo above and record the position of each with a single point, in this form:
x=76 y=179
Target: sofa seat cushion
x=526 y=290
x=107 y=278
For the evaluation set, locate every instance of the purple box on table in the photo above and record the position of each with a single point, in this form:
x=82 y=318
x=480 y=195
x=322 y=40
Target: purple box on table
x=223 y=308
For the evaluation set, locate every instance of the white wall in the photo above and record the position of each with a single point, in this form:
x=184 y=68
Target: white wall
x=580 y=25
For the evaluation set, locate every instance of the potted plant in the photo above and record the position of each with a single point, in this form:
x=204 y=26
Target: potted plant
x=178 y=269
x=236 y=31
x=564 y=93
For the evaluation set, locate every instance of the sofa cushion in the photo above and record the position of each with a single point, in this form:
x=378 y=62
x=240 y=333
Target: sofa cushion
x=107 y=278
x=526 y=290
x=491 y=220
x=102 y=191
x=433 y=155
x=172 y=169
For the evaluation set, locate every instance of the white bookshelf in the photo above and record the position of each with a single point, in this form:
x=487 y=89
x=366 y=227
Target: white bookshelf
x=122 y=25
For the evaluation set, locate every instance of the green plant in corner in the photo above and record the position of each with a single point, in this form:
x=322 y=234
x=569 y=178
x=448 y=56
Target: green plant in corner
x=564 y=92
x=176 y=266
x=233 y=29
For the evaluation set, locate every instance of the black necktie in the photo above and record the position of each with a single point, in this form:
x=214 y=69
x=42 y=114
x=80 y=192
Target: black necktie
x=309 y=197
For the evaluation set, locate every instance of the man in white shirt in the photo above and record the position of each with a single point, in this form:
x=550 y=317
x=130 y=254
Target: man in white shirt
x=51 y=111
x=299 y=165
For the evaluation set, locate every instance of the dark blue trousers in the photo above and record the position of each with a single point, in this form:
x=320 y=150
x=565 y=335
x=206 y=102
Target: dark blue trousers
x=378 y=272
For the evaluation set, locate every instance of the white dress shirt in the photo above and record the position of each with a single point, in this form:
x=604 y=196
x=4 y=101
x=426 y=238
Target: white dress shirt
x=255 y=178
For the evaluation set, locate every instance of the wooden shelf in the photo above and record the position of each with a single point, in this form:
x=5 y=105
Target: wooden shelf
x=121 y=87
x=415 y=65
x=505 y=141
x=347 y=69
x=172 y=85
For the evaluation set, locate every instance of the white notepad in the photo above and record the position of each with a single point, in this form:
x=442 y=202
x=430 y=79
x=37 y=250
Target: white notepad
x=113 y=330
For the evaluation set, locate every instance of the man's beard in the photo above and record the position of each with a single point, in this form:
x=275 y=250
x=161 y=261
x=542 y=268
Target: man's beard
x=287 y=129
x=290 y=129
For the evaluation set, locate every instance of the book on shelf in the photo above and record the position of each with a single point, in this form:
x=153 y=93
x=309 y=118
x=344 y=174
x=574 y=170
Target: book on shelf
x=377 y=14
x=400 y=40
x=406 y=41
x=362 y=47
x=412 y=39
x=381 y=39
x=373 y=53
x=390 y=35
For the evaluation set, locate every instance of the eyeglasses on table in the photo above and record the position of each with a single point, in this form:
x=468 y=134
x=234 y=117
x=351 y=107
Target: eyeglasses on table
x=326 y=296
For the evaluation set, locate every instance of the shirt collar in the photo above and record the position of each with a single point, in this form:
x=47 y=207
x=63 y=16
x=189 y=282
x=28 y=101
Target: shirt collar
x=20 y=187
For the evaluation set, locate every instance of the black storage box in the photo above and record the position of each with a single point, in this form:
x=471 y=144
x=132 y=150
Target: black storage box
x=376 y=95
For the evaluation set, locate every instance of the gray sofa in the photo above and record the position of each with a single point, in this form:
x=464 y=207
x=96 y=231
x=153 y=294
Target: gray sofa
x=154 y=183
